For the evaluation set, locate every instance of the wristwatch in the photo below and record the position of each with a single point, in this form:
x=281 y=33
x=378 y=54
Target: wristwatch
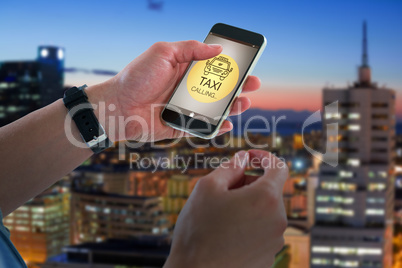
x=92 y=132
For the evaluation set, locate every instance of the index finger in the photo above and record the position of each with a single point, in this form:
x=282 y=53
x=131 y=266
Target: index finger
x=252 y=84
x=275 y=169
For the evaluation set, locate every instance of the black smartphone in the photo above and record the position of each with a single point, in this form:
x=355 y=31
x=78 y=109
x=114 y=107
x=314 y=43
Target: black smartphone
x=203 y=98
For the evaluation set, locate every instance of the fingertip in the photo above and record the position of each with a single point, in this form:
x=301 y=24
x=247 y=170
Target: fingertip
x=215 y=46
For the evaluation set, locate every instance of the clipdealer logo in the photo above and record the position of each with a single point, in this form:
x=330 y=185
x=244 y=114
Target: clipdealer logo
x=212 y=80
x=330 y=156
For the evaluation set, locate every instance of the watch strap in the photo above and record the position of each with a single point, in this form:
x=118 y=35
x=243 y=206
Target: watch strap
x=76 y=101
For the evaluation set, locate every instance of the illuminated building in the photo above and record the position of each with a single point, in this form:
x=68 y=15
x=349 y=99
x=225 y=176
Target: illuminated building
x=51 y=62
x=354 y=201
x=40 y=228
x=298 y=241
x=295 y=198
x=179 y=188
x=97 y=216
x=29 y=85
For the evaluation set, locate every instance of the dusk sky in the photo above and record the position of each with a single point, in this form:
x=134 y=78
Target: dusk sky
x=310 y=43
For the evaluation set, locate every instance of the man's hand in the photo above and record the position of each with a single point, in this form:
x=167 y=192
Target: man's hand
x=150 y=80
x=233 y=220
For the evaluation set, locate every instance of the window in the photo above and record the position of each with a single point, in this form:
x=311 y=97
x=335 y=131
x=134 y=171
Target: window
x=349 y=104
x=354 y=127
x=379 y=105
x=345 y=250
x=354 y=116
x=376 y=187
x=380 y=128
x=317 y=261
x=380 y=139
x=335 y=199
x=335 y=211
x=353 y=162
x=332 y=116
x=375 y=211
x=379 y=150
x=348 y=150
x=369 y=251
x=340 y=186
x=382 y=174
x=321 y=249
x=379 y=116
x=346 y=263
x=374 y=200
x=346 y=174
x=329 y=173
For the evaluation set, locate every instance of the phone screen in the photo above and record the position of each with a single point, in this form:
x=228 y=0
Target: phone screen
x=209 y=85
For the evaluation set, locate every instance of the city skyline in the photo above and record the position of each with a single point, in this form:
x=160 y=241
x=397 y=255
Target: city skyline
x=327 y=37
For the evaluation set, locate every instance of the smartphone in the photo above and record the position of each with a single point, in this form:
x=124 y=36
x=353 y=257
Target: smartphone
x=203 y=98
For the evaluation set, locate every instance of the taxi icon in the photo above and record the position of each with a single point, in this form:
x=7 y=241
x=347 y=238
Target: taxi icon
x=219 y=66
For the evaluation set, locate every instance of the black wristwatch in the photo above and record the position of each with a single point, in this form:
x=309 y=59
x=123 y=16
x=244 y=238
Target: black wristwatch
x=76 y=101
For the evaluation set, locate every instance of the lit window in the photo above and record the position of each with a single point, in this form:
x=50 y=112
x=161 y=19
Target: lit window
x=22 y=228
x=345 y=251
x=354 y=127
x=354 y=116
x=321 y=198
x=44 y=53
x=321 y=261
x=338 y=186
x=376 y=187
x=374 y=211
x=353 y=162
x=332 y=116
x=336 y=199
x=369 y=251
x=38 y=210
x=345 y=263
x=335 y=210
x=90 y=208
x=382 y=174
x=373 y=200
x=60 y=54
x=345 y=174
x=320 y=249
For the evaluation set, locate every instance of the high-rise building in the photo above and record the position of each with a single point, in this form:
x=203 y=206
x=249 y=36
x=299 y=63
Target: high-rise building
x=26 y=86
x=97 y=216
x=51 y=63
x=354 y=201
x=40 y=228
x=179 y=188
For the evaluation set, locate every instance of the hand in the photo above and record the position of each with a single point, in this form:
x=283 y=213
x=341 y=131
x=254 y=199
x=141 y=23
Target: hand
x=150 y=79
x=233 y=220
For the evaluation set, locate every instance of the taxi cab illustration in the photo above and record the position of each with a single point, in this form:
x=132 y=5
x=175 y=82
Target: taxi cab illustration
x=219 y=66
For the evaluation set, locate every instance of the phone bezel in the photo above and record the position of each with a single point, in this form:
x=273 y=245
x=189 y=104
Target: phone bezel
x=175 y=119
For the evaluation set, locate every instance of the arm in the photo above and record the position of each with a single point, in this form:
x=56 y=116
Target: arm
x=35 y=151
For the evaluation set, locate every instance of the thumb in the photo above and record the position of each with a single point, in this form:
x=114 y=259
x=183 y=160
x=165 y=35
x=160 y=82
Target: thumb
x=186 y=51
x=230 y=173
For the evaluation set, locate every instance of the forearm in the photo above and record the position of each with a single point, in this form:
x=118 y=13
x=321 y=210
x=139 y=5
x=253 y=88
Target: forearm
x=35 y=153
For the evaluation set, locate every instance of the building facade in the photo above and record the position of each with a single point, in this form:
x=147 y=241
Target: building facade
x=98 y=216
x=40 y=228
x=354 y=200
x=26 y=86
